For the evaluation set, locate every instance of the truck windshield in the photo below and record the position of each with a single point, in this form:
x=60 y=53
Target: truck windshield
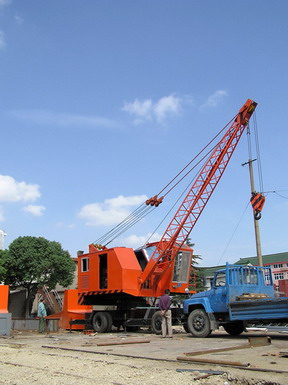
x=250 y=276
x=220 y=279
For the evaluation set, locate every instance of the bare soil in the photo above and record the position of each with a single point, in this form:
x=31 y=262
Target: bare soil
x=139 y=358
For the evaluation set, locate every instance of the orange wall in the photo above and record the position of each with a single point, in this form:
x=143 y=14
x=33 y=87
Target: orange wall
x=4 y=293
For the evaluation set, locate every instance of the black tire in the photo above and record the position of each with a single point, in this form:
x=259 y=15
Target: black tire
x=234 y=328
x=109 y=322
x=185 y=327
x=198 y=323
x=156 y=323
x=100 y=322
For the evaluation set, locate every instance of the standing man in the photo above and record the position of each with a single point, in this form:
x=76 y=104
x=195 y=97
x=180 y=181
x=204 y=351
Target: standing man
x=164 y=305
x=42 y=314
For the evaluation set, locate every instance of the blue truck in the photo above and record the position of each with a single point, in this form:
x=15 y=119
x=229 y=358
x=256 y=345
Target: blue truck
x=240 y=295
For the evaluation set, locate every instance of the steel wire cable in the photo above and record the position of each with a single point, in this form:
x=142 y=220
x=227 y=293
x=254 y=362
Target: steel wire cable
x=191 y=161
x=233 y=233
x=259 y=163
x=136 y=212
x=128 y=224
x=143 y=210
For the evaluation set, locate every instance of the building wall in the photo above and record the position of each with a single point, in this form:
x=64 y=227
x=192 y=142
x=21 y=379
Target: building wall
x=280 y=276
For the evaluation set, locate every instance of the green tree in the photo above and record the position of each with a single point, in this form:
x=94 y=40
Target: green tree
x=2 y=268
x=34 y=262
x=196 y=274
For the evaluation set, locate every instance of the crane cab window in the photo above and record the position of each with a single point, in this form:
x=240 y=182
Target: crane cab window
x=84 y=265
x=181 y=267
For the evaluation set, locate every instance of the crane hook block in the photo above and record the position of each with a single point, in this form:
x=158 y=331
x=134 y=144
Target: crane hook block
x=257 y=201
x=154 y=201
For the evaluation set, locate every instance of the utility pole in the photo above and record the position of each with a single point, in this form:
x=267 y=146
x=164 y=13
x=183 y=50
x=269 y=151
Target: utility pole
x=256 y=222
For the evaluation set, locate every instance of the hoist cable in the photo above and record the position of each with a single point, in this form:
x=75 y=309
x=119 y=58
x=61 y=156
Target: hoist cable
x=143 y=210
x=124 y=225
x=136 y=212
x=130 y=225
x=258 y=153
x=234 y=232
x=169 y=211
x=188 y=164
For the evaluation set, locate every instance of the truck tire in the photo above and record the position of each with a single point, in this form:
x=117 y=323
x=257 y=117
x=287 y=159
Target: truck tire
x=185 y=327
x=198 y=323
x=100 y=322
x=234 y=328
x=109 y=321
x=156 y=323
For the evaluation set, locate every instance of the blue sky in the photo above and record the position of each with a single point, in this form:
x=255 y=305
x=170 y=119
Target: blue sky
x=103 y=102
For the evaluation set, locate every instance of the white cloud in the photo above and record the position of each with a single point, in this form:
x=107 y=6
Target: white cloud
x=4 y=3
x=139 y=240
x=111 y=211
x=2 y=41
x=147 y=109
x=63 y=120
x=13 y=191
x=63 y=225
x=2 y=217
x=139 y=108
x=19 y=20
x=35 y=210
x=215 y=99
x=168 y=105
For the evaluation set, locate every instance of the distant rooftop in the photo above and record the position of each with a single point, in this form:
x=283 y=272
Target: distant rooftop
x=267 y=260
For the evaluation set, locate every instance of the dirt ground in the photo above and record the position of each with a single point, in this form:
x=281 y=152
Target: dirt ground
x=140 y=358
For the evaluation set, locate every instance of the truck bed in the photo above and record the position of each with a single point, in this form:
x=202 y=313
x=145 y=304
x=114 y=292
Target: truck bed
x=261 y=309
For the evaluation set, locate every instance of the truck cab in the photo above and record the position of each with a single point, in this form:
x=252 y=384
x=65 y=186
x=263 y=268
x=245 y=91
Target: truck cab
x=225 y=304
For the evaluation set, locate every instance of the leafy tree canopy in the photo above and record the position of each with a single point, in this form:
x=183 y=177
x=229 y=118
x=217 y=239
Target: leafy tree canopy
x=2 y=268
x=33 y=262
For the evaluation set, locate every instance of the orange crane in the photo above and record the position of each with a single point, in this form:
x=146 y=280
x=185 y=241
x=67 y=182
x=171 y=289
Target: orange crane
x=120 y=281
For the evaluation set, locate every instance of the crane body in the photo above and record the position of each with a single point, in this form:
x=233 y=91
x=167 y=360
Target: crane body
x=121 y=283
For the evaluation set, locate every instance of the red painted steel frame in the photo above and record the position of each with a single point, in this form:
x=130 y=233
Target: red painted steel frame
x=196 y=199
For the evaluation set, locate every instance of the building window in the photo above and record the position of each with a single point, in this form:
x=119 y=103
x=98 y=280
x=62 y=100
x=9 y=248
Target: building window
x=267 y=277
x=84 y=265
x=278 y=265
x=278 y=276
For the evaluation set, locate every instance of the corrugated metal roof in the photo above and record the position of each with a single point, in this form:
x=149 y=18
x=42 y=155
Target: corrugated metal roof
x=267 y=259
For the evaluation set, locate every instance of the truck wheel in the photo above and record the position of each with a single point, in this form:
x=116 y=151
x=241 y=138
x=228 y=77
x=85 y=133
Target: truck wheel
x=109 y=321
x=100 y=322
x=198 y=323
x=156 y=323
x=185 y=327
x=234 y=328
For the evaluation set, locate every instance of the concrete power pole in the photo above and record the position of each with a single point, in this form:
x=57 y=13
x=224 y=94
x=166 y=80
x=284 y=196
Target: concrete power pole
x=256 y=222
